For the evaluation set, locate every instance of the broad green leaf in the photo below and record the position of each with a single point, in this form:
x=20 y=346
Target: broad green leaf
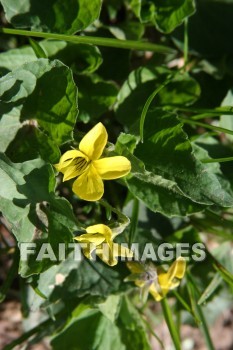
x=35 y=214
x=158 y=193
x=82 y=278
x=168 y=153
x=110 y=307
x=226 y=121
x=132 y=327
x=9 y=126
x=44 y=91
x=53 y=16
x=183 y=90
x=89 y=330
x=173 y=181
x=29 y=143
x=81 y=58
x=132 y=30
x=102 y=94
x=165 y=15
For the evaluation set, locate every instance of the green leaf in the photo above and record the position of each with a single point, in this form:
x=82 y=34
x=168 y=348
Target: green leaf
x=132 y=327
x=110 y=307
x=159 y=194
x=226 y=121
x=101 y=334
x=166 y=16
x=39 y=52
x=82 y=278
x=54 y=16
x=9 y=126
x=81 y=58
x=211 y=288
x=44 y=91
x=226 y=275
x=167 y=152
x=182 y=90
x=29 y=143
x=103 y=95
x=34 y=212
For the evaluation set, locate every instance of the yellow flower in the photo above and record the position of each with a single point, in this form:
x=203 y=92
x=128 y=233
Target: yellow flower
x=157 y=283
x=99 y=238
x=89 y=168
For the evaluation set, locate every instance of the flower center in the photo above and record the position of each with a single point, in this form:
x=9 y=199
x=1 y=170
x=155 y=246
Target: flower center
x=80 y=164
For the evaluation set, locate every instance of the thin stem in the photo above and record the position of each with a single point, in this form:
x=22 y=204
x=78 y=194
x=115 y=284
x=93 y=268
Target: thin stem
x=217 y=160
x=186 y=42
x=204 y=326
x=203 y=116
x=207 y=126
x=214 y=112
x=153 y=333
x=110 y=42
x=186 y=306
x=150 y=99
x=170 y=323
x=134 y=220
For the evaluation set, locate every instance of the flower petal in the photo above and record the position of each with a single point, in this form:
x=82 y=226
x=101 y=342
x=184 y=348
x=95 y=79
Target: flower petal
x=67 y=158
x=168 y=280
x=105 y=253
x=172 y=278
x=112 y=167
x=120 y=250
x=176 y=270
x=93 y=143
x=102 y=229
x=155 y=293
x=89 y=186
x=94 y=238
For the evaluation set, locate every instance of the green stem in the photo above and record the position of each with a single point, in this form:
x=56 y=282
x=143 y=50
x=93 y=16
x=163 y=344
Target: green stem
x=214 y=112
x=186 y=43
x=150 y=99
x=217 y=160
x=170 y=323
x=153 y=333
x=203 y=116
x=186 y=306
x=110 y=42
x=134 y=220
x=204 y=326
x=207 y=126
